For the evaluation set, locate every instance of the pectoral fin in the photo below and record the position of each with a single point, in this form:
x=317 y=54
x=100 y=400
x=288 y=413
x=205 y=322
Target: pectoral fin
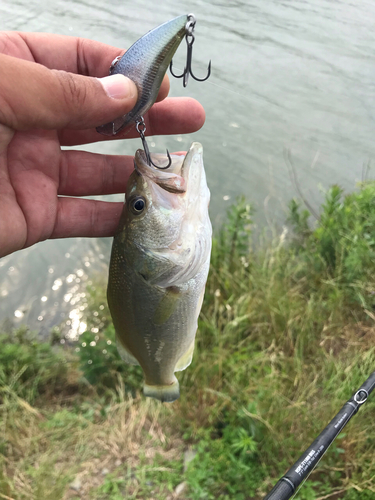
x=167 y=305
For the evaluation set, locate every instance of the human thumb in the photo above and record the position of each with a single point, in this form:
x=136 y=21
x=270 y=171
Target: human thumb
x=33 y=96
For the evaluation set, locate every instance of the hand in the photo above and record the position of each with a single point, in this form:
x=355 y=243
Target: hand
x=53 y=94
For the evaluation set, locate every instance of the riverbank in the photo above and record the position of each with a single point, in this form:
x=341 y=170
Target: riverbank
x=285 y=336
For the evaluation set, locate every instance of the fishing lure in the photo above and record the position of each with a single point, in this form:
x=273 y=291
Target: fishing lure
x=146 y=63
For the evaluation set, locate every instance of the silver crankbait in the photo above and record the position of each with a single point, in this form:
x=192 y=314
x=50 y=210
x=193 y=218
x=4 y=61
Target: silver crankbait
x=146 y=63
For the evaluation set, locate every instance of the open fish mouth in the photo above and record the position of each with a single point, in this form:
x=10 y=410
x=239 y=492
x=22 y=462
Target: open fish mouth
x=175 y=178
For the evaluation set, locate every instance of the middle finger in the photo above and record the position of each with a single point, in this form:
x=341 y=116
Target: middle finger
x=175 y=115
x=85 y=174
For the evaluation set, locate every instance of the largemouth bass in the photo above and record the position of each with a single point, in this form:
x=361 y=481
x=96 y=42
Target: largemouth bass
x=159 y=266
x=146 y=63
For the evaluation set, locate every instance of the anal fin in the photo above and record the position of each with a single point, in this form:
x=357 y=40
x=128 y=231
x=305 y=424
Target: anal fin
x=185 y=359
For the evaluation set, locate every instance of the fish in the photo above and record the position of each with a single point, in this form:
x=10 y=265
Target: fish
x=158 y=268
x=146 y=63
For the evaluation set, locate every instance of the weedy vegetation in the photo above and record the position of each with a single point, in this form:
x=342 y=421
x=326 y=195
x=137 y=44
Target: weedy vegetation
x=286 y=335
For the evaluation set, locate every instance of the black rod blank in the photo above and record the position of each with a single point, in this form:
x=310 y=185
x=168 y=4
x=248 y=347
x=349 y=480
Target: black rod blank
x=287 y=486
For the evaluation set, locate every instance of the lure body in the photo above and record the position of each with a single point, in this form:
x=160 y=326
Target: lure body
x=146 y=63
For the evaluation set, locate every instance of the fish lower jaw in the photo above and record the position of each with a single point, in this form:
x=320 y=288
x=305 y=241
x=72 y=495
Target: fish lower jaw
x=164 y=393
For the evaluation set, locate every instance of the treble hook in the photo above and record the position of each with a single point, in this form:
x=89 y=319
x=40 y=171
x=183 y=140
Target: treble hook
x=190 y=25
x=141 y=129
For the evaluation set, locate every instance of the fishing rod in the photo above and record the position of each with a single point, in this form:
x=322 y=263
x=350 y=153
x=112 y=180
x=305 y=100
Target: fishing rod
x=287 y=486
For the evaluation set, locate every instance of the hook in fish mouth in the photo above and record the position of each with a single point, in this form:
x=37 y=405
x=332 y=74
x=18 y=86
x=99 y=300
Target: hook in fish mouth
x=173 y=180
x=141 y=129
x=180 y=176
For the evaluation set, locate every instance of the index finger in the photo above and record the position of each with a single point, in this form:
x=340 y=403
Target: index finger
x=68 y=53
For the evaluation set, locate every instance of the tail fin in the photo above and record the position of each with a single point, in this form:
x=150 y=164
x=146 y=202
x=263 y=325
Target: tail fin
x=164 y=393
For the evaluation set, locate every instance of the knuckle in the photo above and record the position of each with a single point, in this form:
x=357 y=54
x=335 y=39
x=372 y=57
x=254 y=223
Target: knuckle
x=94 y=217
x=8 y=115
x=74 y=94
x=6 y=135
x=108 y=171
x=82 y=63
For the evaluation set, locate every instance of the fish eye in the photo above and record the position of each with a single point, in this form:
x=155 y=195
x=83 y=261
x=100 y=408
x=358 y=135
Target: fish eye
x=137 y=205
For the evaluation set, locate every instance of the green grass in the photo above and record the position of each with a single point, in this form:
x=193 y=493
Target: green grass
x=286 y=335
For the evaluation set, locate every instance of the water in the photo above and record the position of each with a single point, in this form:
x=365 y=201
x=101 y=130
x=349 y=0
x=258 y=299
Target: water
x=287 y=75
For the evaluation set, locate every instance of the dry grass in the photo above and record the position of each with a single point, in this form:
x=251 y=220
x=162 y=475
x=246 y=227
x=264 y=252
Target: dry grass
x=47 y=450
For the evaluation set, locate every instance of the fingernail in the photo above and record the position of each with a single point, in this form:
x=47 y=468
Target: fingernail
x=118 y=86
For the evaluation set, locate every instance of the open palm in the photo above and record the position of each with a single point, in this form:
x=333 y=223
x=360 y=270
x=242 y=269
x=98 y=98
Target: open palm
x=47 y=100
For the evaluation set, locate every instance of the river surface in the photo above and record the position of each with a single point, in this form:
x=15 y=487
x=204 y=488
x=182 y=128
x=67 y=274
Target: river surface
x=293 y=75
